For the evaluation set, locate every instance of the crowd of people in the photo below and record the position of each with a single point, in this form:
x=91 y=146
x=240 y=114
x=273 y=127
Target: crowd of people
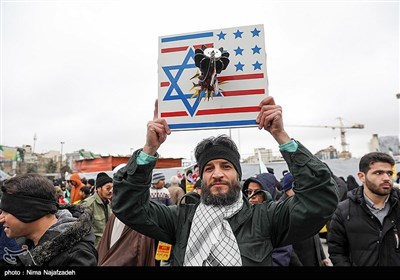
x=140 y=218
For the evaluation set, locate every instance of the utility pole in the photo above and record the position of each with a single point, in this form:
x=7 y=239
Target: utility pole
x=34 y=142
x=61 y=156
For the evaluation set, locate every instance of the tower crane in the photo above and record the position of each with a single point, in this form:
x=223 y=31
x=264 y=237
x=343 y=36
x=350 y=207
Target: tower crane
x=344 y=153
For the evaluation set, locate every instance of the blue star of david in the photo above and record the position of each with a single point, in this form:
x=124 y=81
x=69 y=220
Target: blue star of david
x=184 y=97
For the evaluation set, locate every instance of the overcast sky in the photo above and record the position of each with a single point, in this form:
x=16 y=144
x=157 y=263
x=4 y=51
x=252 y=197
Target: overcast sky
x=85 y=72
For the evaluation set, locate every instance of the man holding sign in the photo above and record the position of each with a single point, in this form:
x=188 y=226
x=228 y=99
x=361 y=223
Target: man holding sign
x=223 y=229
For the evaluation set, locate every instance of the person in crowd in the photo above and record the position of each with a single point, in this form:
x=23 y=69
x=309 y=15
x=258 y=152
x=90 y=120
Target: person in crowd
x=193 y=197
x=309 y=250
x=197 y=187
x=262 y=188
x=84 y=181
x=224 y=229
x=52 y=234
x=91 y=183
x=351 y=183
x=175 y=190
x=122 y=246
x=182 y=184
x=84 y=192
x=66 y=192
x=159 y=194
x=364 y=231
x=60 y=195
x=99 y=203
x=76 y=185
x=195 y=174
x=259 y=187
x=158 y=191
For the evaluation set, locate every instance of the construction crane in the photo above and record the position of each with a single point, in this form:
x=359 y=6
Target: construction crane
x=344 y=153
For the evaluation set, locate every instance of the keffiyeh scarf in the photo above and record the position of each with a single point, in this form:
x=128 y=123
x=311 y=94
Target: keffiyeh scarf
x=211 y=240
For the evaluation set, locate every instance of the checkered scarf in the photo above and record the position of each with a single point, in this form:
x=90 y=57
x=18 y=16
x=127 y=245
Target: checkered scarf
x=211 y=240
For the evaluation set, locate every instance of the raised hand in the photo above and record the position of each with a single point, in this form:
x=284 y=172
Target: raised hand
x=270 y=118
x=157 y=131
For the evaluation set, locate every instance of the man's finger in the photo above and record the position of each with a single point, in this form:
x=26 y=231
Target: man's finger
x=155 y=110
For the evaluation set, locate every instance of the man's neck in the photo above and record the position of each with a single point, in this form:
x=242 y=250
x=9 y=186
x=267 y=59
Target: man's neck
x=40 y=227
x=378 y=200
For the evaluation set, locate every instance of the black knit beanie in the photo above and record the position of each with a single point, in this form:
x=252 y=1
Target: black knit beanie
x=102 y=179
x=219 y=152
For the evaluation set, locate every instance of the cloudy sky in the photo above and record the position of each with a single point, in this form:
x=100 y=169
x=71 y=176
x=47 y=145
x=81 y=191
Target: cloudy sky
x=85 y=72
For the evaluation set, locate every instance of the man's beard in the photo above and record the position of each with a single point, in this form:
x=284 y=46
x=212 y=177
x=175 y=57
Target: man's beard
x=375 y=189
x=219 y=199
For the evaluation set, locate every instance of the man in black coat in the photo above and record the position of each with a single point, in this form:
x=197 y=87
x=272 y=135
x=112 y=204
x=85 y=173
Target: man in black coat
x=364 y=228
x=51 y=235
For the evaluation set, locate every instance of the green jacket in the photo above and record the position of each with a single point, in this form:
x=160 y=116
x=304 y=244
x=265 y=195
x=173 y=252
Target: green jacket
x=258 y=229
x=100 y=218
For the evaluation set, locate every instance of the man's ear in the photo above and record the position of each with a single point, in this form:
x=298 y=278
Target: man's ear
x=361 y=176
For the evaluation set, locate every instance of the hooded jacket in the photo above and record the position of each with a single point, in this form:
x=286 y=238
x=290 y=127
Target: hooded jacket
x=69 y=242
x=267 y=182
x=75 y=195
x=258 y=229
x=357 y=238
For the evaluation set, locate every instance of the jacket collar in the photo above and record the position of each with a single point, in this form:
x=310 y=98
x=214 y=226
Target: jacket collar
x=237 y=220
x=54 y=243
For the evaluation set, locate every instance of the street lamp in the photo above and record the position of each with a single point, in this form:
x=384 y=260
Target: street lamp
x=61 y=157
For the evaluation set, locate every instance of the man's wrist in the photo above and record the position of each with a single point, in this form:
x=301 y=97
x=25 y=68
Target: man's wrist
x=152 y=151
x=290 y=146
x=144 y=158
x=282 y=137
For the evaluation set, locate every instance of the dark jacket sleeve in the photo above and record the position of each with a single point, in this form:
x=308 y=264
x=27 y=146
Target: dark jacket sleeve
x=131 y=203
x=337 y=240
x=81 y=256
x=281 y=256
x=316 y=197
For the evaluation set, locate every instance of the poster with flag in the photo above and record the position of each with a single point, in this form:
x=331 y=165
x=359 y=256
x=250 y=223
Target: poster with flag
x=241 y=86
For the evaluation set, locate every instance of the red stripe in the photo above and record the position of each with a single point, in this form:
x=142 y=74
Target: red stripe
x=213 y=111
x=209 y=45
x=228 y=110
x=241 y=77
x=164 y=84
x=242 y=92
x=174 y=114
x=176 y=49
